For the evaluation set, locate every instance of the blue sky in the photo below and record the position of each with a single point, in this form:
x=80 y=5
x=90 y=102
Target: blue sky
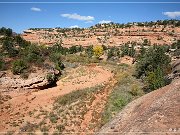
x=21 y=16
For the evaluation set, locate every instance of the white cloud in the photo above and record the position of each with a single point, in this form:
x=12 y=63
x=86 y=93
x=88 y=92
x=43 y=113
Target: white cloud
x=172 y=14
x=36 y=9
x=105 y=21
x=78 y=17
x=74 y=26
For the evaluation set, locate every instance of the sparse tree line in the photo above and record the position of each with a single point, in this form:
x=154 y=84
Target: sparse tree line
x=4 y=31
x=175 y=23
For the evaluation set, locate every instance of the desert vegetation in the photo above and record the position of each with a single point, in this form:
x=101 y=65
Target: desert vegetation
x=77 y=89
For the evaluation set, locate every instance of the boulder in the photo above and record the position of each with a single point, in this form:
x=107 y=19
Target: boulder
x=39 y=82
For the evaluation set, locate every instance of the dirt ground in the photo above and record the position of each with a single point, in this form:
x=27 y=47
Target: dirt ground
x=19 y=105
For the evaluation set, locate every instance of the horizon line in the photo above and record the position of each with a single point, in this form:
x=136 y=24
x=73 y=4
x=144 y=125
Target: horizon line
x=113 y=2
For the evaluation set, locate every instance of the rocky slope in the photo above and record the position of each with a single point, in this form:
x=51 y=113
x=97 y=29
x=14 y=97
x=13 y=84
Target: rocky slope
x=154 y=113
x=106 y=34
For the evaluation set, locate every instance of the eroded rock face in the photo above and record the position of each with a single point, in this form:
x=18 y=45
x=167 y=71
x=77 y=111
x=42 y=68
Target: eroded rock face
x=37 y=82
x=154 y=113
x=175 y=70
x=158 y=34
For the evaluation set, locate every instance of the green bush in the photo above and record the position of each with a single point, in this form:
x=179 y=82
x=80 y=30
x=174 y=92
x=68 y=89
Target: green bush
x=50 y=77
x=152 y=59
x=126 y=50
x=73 y=49
x=6 y=31
x=2 y=64
x=24 y=75
x=59 y=66
x=53 y=117
x=152 y=66
x=60 y=128
x=20 y=41
x=177 y=52
x=33 y=54
x=135 y=90
x=175 y=45
x=155 y=79
x=18 y=67
x=145 y=42
x=58 y=48
x=55 y=57
x=32 y=57
x=89 y=51
x=114 y=52
x=120 y=102
x=8 y=46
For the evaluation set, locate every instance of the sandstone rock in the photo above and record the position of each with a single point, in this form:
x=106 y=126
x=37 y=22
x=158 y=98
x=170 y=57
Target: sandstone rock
x=38 y=82
x=155 y=112
x=2 y=74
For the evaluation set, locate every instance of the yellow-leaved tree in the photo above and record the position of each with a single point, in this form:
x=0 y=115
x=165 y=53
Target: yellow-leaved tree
x=98 y=51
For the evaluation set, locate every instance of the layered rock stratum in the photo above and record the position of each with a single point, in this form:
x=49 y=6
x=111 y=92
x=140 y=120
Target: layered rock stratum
x=111 y=35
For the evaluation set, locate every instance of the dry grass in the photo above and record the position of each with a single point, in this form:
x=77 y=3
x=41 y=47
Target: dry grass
x=127 y=89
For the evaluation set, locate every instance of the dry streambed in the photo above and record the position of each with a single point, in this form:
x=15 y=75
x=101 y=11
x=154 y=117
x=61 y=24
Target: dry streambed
x=80 y=96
